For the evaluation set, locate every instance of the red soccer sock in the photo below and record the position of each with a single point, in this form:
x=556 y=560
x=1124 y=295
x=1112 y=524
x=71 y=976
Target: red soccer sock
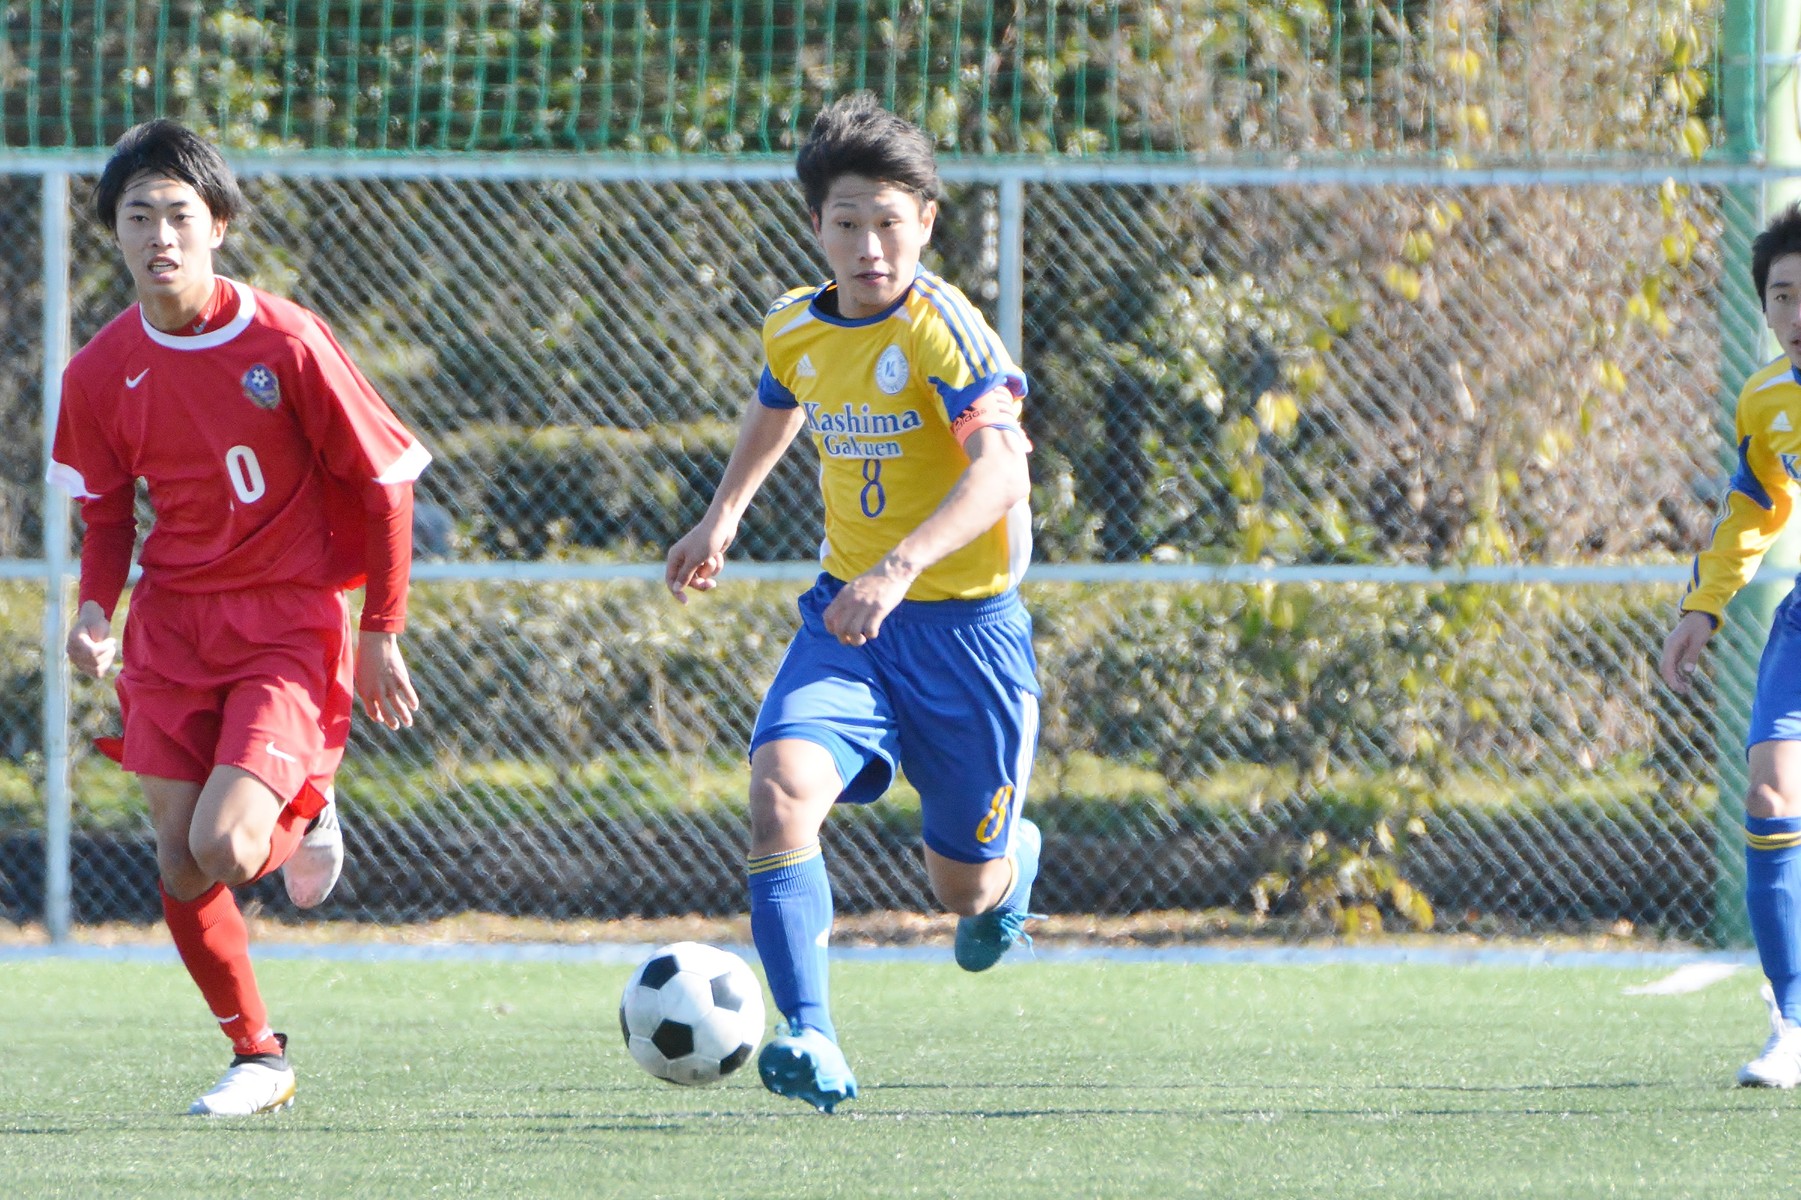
x=214 y=944
x=290 y=827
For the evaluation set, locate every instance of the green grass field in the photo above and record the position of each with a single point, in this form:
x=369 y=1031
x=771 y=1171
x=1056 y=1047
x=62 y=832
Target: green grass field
x=1049 y=1079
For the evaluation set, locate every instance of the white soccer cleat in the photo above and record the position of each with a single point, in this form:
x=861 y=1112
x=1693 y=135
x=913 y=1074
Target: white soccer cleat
x=317 y=862
x=1779 y=1066
x=260 y=1084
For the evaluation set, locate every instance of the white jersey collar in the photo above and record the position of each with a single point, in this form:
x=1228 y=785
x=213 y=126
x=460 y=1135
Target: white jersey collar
x=214 y=337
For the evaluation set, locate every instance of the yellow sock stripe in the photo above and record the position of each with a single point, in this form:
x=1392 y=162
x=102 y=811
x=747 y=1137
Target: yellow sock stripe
x=1772 y=841
x=782 y=858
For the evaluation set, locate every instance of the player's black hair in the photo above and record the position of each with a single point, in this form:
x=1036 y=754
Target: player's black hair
x=855 y=135
x=1781 y=236
x=170 y=150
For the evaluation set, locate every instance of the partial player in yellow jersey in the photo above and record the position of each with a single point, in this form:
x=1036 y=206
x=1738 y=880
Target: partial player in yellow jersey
x=1757 y=505
x=914 y=650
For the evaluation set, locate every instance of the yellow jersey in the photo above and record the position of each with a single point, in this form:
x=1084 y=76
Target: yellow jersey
x=888 y=400
x=1762 y=492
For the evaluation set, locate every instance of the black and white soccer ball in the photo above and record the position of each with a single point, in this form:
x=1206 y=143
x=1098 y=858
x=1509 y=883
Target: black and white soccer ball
x=691 y=1013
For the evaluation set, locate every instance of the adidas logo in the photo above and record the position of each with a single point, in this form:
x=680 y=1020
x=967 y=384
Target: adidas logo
x=805 y=371
x=1781 y=423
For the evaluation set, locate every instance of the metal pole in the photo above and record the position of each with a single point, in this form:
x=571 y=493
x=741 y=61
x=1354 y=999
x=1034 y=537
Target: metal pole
x=1742 y=341
x=54 y=226
x=1012 y=268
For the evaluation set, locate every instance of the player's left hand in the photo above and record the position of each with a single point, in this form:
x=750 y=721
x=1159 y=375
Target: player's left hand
x=91 y=646
x=382 y=682
x=856 y=613
x=1683 y=648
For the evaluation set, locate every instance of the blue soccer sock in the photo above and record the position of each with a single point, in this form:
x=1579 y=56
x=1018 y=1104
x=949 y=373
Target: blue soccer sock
x=1027 y=843
x=790 y=920
x=1773 y=899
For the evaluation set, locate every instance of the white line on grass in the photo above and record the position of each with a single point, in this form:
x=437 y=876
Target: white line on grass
x=1689 y=977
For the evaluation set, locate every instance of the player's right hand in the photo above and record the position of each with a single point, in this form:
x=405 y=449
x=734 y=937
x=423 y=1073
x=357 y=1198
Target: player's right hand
x=1682 y=650
x=381 y=680
x=696 y=560
x=91 y=646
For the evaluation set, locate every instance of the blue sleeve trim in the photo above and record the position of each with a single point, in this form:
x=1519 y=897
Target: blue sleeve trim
x=771 y=393
x=1694 y=574
x=1745 y=481
x=957 y=400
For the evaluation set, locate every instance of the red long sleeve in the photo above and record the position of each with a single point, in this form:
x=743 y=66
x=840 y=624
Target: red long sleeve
x=110 y=533
x=387 y=555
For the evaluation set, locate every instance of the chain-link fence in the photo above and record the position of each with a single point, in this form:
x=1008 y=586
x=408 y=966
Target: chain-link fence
x=1318 y=373
x=1361 y=502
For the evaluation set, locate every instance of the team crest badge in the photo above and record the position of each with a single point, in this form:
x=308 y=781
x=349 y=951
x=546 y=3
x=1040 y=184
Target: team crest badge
x=891 y=371
x=261 y=387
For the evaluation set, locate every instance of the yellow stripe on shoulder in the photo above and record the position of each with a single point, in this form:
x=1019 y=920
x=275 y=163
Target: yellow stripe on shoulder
x=1772 y=841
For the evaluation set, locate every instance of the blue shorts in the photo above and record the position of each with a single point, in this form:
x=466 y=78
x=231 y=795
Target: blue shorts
x=948 y=692
x=1776 y=708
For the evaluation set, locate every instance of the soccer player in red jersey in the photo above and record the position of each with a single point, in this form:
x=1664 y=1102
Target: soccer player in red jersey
x=279 y=480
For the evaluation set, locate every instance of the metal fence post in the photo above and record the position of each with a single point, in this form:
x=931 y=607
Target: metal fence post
x=1012 y=267
x=1744 y=100
x=54 y=224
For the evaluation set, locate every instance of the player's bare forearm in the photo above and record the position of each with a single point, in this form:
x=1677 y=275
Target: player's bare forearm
x=763 y=437
x=382 y=682
x=995 y=481
x=697 y=558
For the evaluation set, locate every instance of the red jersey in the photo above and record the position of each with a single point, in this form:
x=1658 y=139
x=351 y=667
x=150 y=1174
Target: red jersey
x=269 y=458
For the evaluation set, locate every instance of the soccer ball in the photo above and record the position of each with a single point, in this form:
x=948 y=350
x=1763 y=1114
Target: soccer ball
x=692 y=1014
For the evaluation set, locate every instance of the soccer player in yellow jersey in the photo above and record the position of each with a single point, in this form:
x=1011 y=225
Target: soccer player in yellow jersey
x=1758 y=504
x=914 y=649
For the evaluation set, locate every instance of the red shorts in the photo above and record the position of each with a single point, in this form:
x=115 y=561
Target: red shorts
x=257 y=679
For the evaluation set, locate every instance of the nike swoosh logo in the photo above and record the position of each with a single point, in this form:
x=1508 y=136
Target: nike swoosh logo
x=132 y=381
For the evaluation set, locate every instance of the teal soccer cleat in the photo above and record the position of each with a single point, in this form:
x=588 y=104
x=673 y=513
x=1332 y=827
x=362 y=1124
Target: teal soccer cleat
x=807 y=1065
x=983 y=938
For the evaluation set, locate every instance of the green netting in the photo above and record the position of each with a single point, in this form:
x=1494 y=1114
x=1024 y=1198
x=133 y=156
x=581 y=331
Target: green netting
x=1502 y=80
